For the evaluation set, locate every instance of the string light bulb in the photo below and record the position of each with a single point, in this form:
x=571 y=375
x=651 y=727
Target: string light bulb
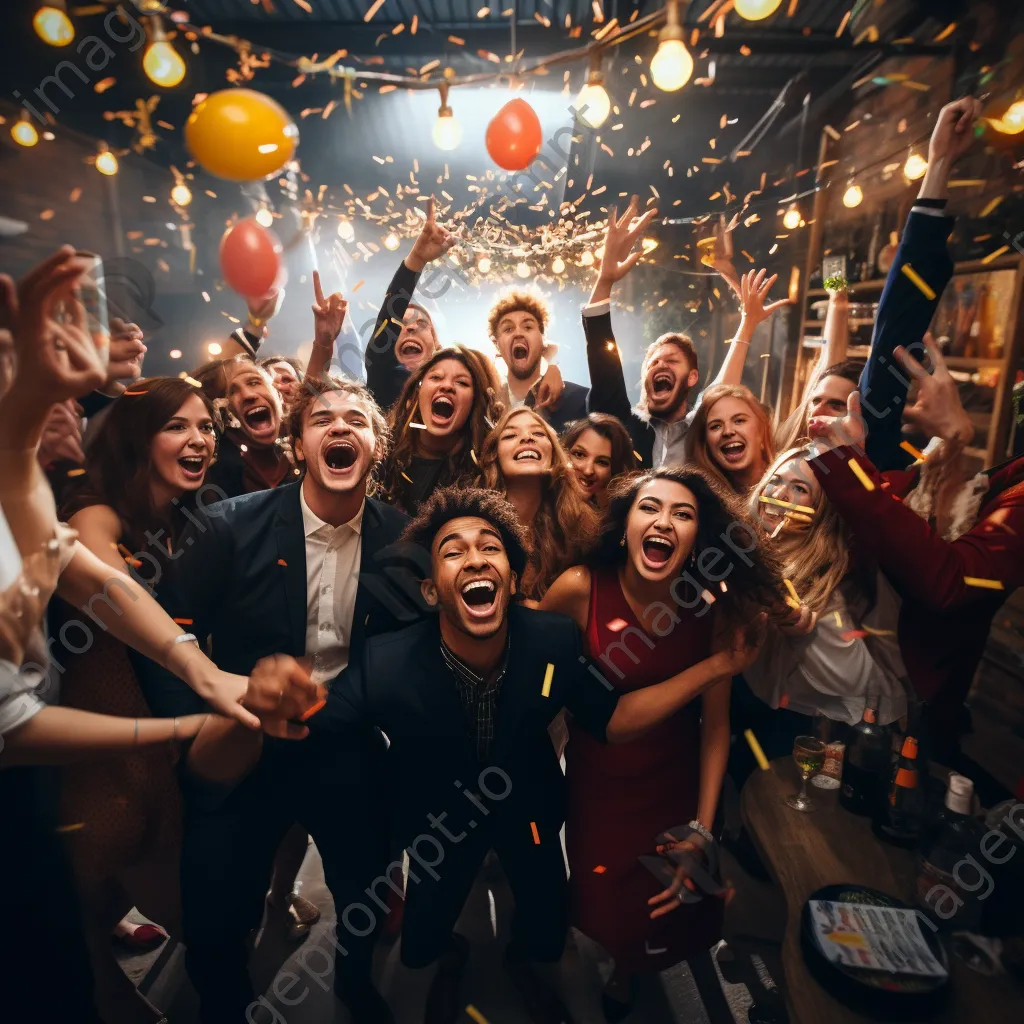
x=346 y=232
x=756 y=10
x=1012 y=122
x=106 y=162
x=558 y=265
x=915 y=167
x=162 y=63
x=672 y=64
x=214 y=348
x=484 y=264
x=23 y=131
x=181 y=194
x=523 y=269
x=52 y=23
x=175 y=353
x=593 y=104
x=447 y=130
x=853 y=196
x=587 y=259
x=391 y=242
x=791 y=218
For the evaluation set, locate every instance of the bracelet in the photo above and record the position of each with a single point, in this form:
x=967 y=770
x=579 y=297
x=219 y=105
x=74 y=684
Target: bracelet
x=701 y=830
x=185 y=638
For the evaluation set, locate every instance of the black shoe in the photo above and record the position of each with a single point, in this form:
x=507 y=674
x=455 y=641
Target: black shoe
x=365 y=1004
x=542 y=1002
x=444 y=1003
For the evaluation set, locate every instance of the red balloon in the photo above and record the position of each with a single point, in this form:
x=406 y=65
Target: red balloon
x=514 y=136
x=250 y=258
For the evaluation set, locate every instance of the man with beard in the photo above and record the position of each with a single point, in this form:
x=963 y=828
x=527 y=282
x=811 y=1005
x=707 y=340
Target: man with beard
x=517 y=323
x=659 y=422
x=293 y=569
x=465 y=698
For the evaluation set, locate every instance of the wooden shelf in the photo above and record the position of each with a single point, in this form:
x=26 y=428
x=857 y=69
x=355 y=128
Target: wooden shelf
x=969 y=363
x=857 y=286
x=862 y=322
x=1009 y=262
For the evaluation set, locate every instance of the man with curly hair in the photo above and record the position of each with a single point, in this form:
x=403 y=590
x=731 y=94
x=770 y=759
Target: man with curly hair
x=516 y=325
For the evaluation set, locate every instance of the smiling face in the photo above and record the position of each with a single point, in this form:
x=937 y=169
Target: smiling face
x=661 y=530
x=733 y=436
x=255 y=404
x=524 y=447
x=286 y=380
x=794 y=483
x=667 y=381
x=182 y=450
x=828 y=401
x=591 y=458
x=471 y=579
x=416 y=341
x=337 y=443
x=521 y=343
x=446 y=398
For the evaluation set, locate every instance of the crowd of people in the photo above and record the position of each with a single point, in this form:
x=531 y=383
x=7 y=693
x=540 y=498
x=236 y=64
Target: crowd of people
x=449 y=611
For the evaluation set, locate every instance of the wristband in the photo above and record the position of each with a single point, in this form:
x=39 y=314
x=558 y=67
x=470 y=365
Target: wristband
x=701 y=830
x=185 y=638
x=931 y=204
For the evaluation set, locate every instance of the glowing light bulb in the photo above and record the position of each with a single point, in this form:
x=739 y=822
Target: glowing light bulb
x=106 y=163
x=175 y=353
x=791 y=219
x=915 y=167
x=391 y=242
x=756 y=10
x=1012 y=122
x=24 y=133
x=587 y=259
x=447 y=130
x=264 y=217
x=672 y=65
x=181 y=194
x=649 y=245
x=484 y=265
x=214 y=348
x=523 y=269
x=346 y=232
x=53 y=25
x=163 y=64
x=593 y=104
x=853 y=196
x=558 y=265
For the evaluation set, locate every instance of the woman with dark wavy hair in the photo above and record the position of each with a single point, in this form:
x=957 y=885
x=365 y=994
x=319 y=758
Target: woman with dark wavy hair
x=600 y=449
x=651 y=599
x=438 y=425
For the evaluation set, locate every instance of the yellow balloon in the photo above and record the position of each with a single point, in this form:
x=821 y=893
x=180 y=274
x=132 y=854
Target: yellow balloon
x=241 y=135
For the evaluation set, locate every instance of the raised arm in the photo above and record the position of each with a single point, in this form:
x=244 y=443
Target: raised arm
x=246 y=340
x=753 y=290
x=328 y=319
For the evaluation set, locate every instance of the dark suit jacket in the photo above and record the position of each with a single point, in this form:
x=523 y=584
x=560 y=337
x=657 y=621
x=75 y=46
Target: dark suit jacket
x=608 y=386
x=571 y=406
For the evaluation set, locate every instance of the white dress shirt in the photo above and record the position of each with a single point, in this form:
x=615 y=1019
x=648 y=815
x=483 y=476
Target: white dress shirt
x=333 y=556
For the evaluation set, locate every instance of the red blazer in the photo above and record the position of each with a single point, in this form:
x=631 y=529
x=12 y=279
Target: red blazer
x=945 y=621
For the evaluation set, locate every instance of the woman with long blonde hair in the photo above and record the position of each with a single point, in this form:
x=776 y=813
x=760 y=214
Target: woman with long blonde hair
x=731 y=437
x=523 y=460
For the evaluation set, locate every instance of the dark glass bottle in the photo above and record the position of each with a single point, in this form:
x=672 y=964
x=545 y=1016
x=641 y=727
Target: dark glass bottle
x=866 y=764
x=900 y=816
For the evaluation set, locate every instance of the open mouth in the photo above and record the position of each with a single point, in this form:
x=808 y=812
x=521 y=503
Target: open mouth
x=520 y=350
x=526 y=455
x=259 y=418
x=733 y=451
x=657 y=550
x=192 y=466
x=340 y=456
x=479 y=597
x=410 y=347
x=442 y=409
x=662 y=383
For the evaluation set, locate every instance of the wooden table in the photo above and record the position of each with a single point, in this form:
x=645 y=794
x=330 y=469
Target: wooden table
x=807 y=850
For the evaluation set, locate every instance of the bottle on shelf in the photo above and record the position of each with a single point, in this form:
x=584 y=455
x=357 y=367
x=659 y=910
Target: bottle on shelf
x=866 y=763
x=953 y=836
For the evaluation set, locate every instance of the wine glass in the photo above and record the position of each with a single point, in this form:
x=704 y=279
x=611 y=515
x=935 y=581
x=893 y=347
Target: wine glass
x=809 y=755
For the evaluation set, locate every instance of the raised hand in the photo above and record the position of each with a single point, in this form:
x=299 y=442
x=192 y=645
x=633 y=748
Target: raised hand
x=126 y=354
x=828 y=432
x=724 y=251
x=280 y=693
x=936 y=410
x=619 y=240
x=754 y=288
x=954 y=130
x=432 y=243
x=62 y=435
x=328 y=315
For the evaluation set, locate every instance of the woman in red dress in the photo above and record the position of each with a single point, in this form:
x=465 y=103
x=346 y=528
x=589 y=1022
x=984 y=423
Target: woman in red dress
x=650 y=601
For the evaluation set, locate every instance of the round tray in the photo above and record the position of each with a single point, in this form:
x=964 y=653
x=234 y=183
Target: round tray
x=882 y=995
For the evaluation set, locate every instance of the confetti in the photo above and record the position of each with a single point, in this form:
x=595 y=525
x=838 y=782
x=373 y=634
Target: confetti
x=545 y=690
x=617 y=625
x=918 y=281
x=786 y=504
x=866 y=482
x=995 y=255
x=374 y=8
x=312 y=710
x=76 y=472
x=281 y=561
x=784 y=701
x=600 y=869
x=852 y=634
x=473 y=1012
x=908 y=447
x=536 y=834
x=70 y=828
x=755 y=747
x=977 y=581
x=792 y=592
x=184 y=622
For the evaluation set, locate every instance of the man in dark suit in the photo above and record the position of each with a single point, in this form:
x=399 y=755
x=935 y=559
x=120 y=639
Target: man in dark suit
x=295 y=569
x=465 y=698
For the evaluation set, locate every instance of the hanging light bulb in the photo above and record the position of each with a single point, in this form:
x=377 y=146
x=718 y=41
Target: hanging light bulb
x=672 y=64
x=346 y=232
x=106 y=162
x=264 y=217
x=484 y=264
x=1012 y=122
x=447 y=130
x=162 y=63
x=24 y=131
x=52 y=23
x=181 y=194
x=523 y=269
x=175 y=353
x=587 y=259
x=915 y=167
x=593 y=105
x=853 y=196
x=558 y=265
x=756 y=10
x=214 y=348
x=791 y=218
x=391 y=242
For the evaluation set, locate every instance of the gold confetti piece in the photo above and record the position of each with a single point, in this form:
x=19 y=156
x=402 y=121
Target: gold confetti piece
x=908 y=447
x=192 y=381
x=994 y=255
x=76 y=472
x=536 y=834
x=70 y=828
x=866 y=482
x=977 y=581
x=407 y=477
x=103 y=85
x=374 y=8
x=839 y=619
x=844 y=23
x=600 y=869
x=990 y=206
x=755 y=748
x=786 y=504
x=304 y=4
x=878 y=632
x=792 y=591
x=473 y=1012
x=919 y=282
x=945 y=33
x=549 y=672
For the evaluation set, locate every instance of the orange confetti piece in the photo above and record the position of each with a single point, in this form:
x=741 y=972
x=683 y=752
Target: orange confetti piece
x=977 y=581
x=76 y=472
x=866 y=482
x=473 y=1012
x=281 y=561
x=374 y=8
x=536 y=834
x=909 y=448
x=600 y=869
x=784 y=701
x=852 y=634
x=617 y=625
x=184 y=622
x=312 y=710
x=71 y=828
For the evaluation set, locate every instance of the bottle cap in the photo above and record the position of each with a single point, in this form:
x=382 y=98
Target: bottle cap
x=960 y=793
x=909 y=747
x=870 y=715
